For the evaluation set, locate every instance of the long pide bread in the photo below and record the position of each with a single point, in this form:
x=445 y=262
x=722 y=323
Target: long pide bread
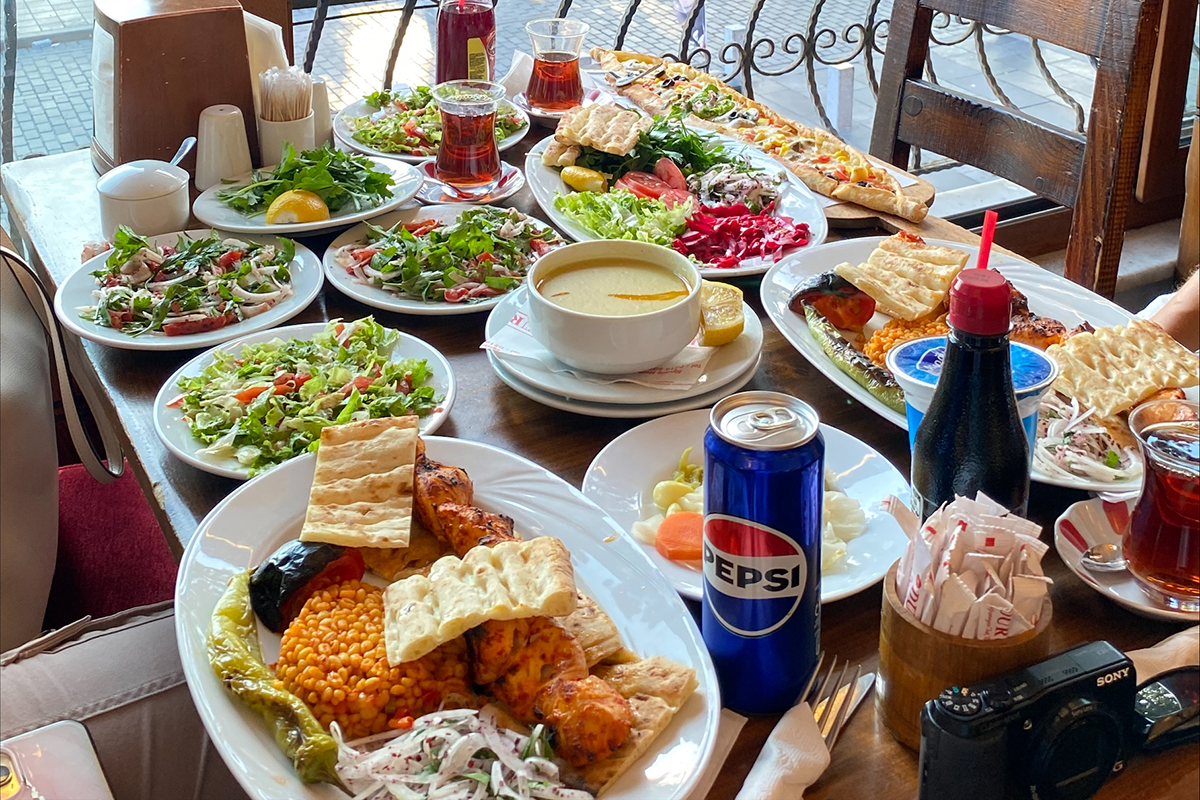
x=512 y=580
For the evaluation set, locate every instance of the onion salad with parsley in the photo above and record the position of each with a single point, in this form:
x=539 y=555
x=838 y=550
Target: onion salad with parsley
x=1071 y=444
x=484 y=253
x=198 y=285
x=409 y=123
x=453 y=755
x=269 y=401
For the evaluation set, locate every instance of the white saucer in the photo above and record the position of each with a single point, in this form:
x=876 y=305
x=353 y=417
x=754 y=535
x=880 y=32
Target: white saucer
x=622 y=477
x=551 y=118
x=618 y=410
x=1085 y=524
x=725 y=366
x=434 y=191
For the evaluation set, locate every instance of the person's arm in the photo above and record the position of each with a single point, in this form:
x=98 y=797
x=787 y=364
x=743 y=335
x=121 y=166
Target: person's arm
x=1180 y=317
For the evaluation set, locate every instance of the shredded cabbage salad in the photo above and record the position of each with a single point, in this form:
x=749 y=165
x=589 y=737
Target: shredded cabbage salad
x=410 y=123
x=623 y=215
x=452 y=755
x=1069 y=444
x=269 y=401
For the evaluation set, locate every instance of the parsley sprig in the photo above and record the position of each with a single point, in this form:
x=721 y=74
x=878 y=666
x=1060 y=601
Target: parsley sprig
x=342 y=180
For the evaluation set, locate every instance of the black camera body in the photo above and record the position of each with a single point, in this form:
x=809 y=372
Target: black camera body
x=1053 y=731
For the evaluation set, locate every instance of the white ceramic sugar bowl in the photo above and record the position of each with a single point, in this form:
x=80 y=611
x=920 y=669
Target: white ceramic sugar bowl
x=148 y=196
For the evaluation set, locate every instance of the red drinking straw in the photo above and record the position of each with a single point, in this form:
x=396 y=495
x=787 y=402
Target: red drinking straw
x=985 y=244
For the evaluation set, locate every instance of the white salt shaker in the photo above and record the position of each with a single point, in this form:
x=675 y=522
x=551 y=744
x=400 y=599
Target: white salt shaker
x=222 y=148
x=322 y=121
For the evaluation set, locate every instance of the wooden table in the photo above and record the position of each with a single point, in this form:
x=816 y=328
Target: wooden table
x=54 y=209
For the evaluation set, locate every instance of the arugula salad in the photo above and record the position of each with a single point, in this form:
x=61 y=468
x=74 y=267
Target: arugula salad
x=409 y=123
x=268 y=402
x=485 y=252
x=196 y=286
x=341 y=180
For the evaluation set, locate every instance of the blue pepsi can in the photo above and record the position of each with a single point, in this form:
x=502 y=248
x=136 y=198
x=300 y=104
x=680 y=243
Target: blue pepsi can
x=764 y=481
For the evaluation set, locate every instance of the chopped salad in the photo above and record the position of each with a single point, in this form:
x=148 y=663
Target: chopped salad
x=409 y=123
x=197 y=285
x=484 y=253
x=270 y=401
x=1071 y=444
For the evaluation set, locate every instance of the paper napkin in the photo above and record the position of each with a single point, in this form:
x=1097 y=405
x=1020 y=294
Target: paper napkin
x=727 y=734
x=518 y=75
x=791 y=760
x=515 y=341
x=1179 y=650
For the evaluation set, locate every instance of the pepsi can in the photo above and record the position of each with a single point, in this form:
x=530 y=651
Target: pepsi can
x=764 y=467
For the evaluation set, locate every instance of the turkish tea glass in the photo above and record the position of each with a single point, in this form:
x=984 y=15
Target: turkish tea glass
x=468 y=158
x=555 y=84
x=1162 y=543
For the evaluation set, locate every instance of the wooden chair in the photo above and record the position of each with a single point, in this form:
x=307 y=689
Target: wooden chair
x=1092 y=175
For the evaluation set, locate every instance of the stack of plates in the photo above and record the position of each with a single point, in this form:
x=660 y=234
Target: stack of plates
x=729 y=369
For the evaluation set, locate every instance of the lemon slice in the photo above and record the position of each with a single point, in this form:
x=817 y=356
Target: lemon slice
x=298 y=205
x=721 y=319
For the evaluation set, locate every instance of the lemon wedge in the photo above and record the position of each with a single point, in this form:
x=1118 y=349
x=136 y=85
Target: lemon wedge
x=721 y=319
x=298 y=205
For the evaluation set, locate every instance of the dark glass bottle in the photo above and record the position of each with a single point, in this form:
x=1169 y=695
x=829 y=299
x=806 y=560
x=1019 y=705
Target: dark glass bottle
x=971 y=438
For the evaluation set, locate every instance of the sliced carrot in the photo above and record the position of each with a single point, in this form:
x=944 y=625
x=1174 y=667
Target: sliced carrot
x=681 y=536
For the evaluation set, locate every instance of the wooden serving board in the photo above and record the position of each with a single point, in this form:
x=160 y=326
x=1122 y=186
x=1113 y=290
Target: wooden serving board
x=852 y=215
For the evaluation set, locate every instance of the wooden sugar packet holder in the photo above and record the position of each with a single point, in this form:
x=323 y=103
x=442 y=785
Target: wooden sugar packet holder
x=917 y=662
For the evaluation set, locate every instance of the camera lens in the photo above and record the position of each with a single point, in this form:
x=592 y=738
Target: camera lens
x=1073 y=751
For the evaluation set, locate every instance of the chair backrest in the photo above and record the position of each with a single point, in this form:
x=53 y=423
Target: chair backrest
x=1093 y=175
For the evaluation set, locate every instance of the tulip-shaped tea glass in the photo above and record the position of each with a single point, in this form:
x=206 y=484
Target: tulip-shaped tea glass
x=555 y=85
x=468 y=158
x=1162 y=543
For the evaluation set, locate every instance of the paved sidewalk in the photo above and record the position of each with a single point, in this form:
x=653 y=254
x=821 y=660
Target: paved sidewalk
x=40 y=19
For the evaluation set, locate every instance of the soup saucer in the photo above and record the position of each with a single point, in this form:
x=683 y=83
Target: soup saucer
x=434 y=191
x=1090 y=523
x=726 y=365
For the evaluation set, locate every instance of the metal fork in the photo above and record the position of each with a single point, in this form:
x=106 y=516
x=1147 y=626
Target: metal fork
x=621 y=82
x=832 y=709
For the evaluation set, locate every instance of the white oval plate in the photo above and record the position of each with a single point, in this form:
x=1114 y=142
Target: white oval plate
x=253 y=521
x=621 y=410
x=344 y=134
x=1087 y=523
x=1049 y=295
x=725 y=365
x=621 y=481
x=796 y=201
x=176 y=435
x=378 y=298
x=213 y=212
x=76 y=292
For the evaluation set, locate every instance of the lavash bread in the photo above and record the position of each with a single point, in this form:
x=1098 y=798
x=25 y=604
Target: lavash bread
x=606 y=128
x=362 y=489
x=593 y=630
x=908 y=280
x=512 y=580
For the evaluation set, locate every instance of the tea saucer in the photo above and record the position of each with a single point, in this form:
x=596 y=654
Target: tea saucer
x=551 y=118
x=726 y=365
x=435 y=191
x=621 y=410
x=1089 y=523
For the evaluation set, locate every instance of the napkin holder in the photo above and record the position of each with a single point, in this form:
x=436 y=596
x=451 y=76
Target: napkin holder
x=917 y=662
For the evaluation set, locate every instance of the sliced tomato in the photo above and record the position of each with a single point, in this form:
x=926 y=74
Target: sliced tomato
x=456 y=294
x=187 y=327
x=363 y=254
x=248 y=394
x=642 y=184
x=669 y=173
x=410 y=127
x=227 y=260
x=422 y=227
x=360 y=382
x=176 y=402
x=117 y=319
x=673 y=197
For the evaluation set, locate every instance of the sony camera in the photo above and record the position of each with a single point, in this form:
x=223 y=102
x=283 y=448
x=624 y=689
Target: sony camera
x=1053 y=731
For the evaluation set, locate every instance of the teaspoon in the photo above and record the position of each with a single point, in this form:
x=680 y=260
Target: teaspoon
x=1103 y=557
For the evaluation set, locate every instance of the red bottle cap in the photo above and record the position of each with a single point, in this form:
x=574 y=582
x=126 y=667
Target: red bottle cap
x=980 y=303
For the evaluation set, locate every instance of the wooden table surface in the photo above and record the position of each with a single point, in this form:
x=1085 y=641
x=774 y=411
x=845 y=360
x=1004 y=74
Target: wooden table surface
x=53 y=207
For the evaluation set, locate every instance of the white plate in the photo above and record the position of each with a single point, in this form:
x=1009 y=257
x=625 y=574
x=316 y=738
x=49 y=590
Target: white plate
x=621 y=480
x=1088 y=523
x=213 y=212
x=724 y=366
x=591 y=96
x=260 y=516
x=344 y=134
x=796 y=201
x=619 y=410
x=176 y=435
x=76 y=292
x=378 y=298
x=1049 y=295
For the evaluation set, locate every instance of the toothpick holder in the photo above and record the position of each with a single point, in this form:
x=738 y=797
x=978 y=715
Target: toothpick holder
x=273 y=135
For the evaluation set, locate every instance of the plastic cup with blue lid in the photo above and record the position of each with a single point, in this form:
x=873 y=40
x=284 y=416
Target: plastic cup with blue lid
x=917 y=364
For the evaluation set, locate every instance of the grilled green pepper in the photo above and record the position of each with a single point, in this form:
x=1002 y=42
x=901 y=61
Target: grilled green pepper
x=879 y=382
x=236 y=658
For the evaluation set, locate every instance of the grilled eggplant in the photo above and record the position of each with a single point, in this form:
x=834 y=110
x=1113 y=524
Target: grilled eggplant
x=837 y=299
x=876 y=380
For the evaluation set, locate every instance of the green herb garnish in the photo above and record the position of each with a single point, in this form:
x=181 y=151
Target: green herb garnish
x=340 y=179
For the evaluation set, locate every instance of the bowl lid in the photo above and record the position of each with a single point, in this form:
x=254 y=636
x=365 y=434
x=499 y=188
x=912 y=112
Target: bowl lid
x=142 y=180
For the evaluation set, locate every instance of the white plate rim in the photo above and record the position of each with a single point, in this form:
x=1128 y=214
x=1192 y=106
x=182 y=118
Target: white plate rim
x=341 y=129
x=1103 y=584
x=80 y=283
x=190 y=638
x=776 y=289
x=546 y=184
x=212 y=212
x=686 y=581
x=565 y=384
x=378 y=298
x=168 y=391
